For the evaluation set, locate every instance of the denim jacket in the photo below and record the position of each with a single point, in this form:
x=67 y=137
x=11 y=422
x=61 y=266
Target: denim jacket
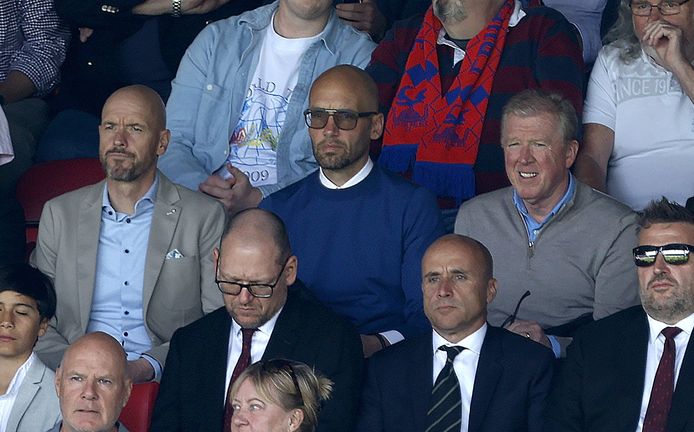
x=212 y=80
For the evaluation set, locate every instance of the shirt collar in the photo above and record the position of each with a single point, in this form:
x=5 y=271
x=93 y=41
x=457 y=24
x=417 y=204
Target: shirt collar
x=459 y=53
x=472 y=342
x=20 y=376
x=356 y=179
x=266 y=328
x=147 y=198
x=655 y=326
x=568 y=196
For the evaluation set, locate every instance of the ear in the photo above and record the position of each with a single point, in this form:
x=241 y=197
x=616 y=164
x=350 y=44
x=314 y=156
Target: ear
x=57 y=380
x=571 y=152
x=491 y=290
x=376 y=126
x=43 y=325
x=295 y=419
x=164 y=137
x=126 y=392
x=291 y=270
x=215 y=258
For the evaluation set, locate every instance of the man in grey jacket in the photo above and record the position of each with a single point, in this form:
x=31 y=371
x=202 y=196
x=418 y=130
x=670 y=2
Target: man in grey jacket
x=557 y=242
x=235 y=111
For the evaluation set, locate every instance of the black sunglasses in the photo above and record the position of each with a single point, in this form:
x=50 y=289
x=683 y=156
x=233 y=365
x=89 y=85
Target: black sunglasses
x=275 y=366
x=317 y=118
x=512 y=318
x=673 y=254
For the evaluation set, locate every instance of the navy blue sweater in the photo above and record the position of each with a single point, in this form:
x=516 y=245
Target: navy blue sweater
x=360 y=248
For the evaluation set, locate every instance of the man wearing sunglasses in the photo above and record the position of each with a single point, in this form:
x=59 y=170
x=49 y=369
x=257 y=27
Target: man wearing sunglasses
x=634 y=371
x=359 y=231
x=267 y=314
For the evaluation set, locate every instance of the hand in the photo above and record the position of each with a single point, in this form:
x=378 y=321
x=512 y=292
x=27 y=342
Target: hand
x=235 y=193
x=140 y=371
x=664 y=42
x=371 y=345
x=85 y=33
x=192 y=7
x=530 y=330
x=363 y=16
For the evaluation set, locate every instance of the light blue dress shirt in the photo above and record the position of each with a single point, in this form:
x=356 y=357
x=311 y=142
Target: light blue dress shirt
x=534 y=227
x=117 y=303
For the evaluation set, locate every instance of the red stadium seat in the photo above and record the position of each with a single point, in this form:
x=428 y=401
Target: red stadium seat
x=48 y=180
x=137 y=413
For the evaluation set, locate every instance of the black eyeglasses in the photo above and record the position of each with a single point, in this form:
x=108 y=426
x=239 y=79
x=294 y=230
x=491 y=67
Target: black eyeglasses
x=317 y=118
x=674 y=254
x=275 y=366
x=666 y=7
x=512 y=318
x=259 y=290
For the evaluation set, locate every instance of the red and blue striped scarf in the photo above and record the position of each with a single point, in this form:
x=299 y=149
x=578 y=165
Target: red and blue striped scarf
x=436 y=136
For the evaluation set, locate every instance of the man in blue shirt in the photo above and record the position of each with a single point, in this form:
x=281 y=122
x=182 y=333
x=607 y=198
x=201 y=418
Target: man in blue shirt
x=130 y=256
x=550 y=234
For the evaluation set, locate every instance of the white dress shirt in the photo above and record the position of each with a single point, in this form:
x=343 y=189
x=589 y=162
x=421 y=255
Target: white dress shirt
x=7 y=400
x=464 y=365
x=261 y=338
x=656 y=344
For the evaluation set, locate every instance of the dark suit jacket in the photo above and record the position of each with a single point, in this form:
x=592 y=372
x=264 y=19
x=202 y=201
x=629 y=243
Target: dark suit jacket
x=191 y=396
x=512 y=382
x=601 y=383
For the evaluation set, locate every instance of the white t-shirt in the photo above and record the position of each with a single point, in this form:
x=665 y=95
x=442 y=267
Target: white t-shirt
x=253 y=144
x=653 y=122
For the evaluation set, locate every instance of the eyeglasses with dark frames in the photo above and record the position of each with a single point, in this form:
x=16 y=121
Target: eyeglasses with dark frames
x=317 y=118
x=673 y=254
x=275 y=366
x=666 y=7
x=512 y=318
x=260 y=290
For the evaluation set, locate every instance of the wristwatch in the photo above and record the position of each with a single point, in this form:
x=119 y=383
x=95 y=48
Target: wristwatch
x=175 y=8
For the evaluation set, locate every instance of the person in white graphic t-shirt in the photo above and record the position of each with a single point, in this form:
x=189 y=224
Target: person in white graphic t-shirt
x=236 y=105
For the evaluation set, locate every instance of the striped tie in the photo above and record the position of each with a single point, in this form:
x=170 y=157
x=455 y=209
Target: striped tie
x=445 y=413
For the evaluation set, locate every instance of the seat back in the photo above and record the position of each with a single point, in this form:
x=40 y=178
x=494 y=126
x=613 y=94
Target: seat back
x=137 y=413
x=47 y=180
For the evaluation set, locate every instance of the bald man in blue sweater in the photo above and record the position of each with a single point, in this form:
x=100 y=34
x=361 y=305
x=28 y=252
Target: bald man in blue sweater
x=359 y=231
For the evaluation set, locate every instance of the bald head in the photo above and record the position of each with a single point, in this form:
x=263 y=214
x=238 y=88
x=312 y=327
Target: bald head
x=100 y=341
x=350 y=78
x=475 y=248
x=92 y=384
x=261 y=227
x=147 y=98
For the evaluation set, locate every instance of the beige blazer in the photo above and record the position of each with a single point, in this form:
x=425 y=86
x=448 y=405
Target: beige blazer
x=177 y=289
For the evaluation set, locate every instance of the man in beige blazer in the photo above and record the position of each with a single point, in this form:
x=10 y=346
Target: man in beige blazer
x=131 y=255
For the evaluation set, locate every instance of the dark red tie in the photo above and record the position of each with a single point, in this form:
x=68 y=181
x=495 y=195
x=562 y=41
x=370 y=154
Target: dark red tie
x=243 y=362
x=663 y=385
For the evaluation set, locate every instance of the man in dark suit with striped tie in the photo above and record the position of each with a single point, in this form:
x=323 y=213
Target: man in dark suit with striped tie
x=465 y=375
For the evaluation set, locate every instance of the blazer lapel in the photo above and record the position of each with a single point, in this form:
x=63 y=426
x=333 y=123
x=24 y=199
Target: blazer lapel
x=683 y=399
x=214 y=361
x=28 y=391
x=489 y=372
x=419 y=371
x=88 y=232
x=283 y=340
x=631 y=362
x=163 y=227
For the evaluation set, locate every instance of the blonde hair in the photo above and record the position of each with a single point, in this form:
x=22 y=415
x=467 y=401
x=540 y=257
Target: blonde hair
x=290 y=385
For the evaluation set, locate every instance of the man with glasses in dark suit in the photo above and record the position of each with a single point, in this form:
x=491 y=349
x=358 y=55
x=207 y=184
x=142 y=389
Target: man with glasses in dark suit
x=634 y=371
x=267 y=315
